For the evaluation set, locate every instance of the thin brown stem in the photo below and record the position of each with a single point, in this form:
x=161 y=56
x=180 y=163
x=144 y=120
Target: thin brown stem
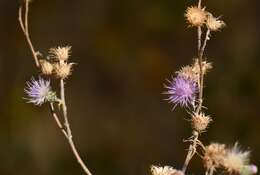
x=57 y=120
x=199 y=3
x=200 y=55
x=201 y=48
x=24 y=27
x=26 y=15
x=68 y=130
x=199 y=38
x=191 y=151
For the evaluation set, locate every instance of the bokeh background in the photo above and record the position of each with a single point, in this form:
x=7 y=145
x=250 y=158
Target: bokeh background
x=125 y=50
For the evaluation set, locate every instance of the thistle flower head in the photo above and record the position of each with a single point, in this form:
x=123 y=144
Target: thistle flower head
x=214 y=24
x=195 y=16
x=166 y=170
x=46 y=67
x=60 y=53
x=39 y=91
x=214 y=155
x=63 y=70
x=189 y=73
x=206 y=66
x=182 y=91
x=200 y=122
x=236 y=160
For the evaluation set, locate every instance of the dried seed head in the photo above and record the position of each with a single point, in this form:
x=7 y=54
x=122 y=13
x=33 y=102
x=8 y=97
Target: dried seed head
x=214 y=24
x=235 y=159
x=200 y=122
x=206 y=66
x=188 y=73
x=63 y=70
x=46 y=67
x=166 y=170
x=60 y=53
x=214 y=155
x=196 y=16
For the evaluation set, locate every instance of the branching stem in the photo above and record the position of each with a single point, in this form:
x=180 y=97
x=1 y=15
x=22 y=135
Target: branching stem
x=201 y=49
x=191 y=151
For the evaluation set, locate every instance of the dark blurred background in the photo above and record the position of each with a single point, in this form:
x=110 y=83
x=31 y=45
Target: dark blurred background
x=125 y=50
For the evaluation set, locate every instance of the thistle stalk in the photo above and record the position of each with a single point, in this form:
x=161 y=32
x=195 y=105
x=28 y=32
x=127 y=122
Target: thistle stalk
x=65 y=127
x=195 y=135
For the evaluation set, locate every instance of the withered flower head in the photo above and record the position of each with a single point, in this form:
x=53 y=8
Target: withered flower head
x=206 y=66
x=63 y=70
x=46 y=67
x=214 y=24
x=60 y=53
x=196 y=16
x=214 y=155
x=200 y=122
x=189 y=73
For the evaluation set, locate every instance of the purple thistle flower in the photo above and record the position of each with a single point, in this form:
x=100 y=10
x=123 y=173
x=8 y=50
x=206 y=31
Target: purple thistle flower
x=38 y=91
x=182 y=91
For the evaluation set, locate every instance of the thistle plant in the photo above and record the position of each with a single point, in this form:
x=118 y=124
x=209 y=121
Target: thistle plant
x=185 y=89
x=55 y=64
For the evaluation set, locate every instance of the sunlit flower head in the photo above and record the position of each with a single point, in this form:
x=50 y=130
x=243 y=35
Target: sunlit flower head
x=182 y=91
x=39 y=91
